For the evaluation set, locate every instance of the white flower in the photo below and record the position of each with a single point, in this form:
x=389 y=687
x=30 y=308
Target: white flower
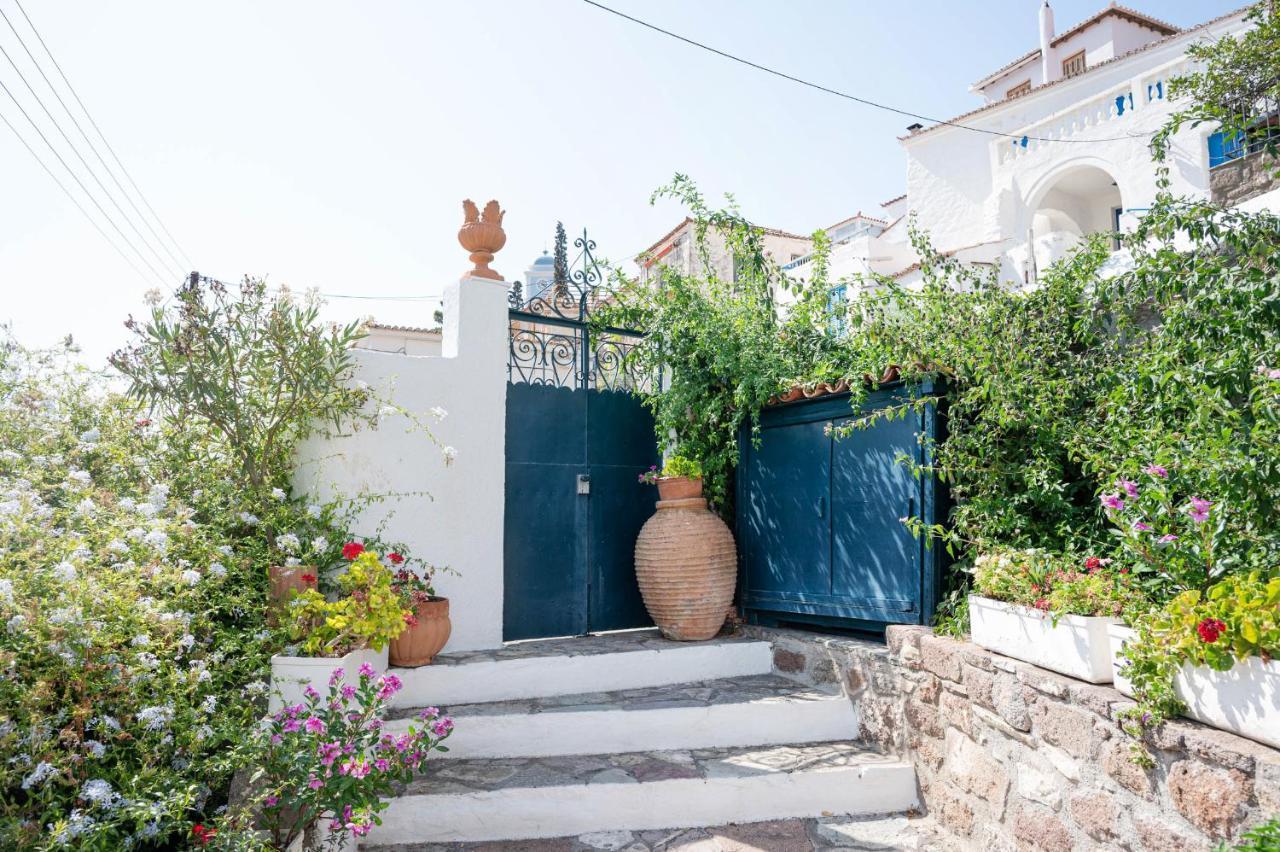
x=142 y=640
x=95 y=748
x=203 y=733
x=108 y=722
x=99 y=792
x=15 y=624
x=248 y=519
x=157 y=539
x=80 y=476
x=292 y=562
x=127 y=503
x=136 y=533
x=92 y=436
x=156 y=718
x=6 y=591
x=191 y=576
x=257 y=687
x=38 y=775
x=64 y=571
x=449 y=454
x=319 y=544
x=313 y=510
x=224 y=549
x=388 y=411
x=148 y=660
x=118 y=545
x=148 y=510
x=86 y=507
x=153 y=297
x=439 y=413
x=217 y=569
x=288 y=543
x=278 y=493
x=210 y=703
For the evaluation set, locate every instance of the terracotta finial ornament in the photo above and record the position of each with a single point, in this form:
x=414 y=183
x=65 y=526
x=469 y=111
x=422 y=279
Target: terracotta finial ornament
x=482 y=235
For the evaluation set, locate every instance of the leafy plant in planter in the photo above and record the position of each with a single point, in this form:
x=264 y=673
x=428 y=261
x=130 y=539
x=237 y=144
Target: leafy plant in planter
x=676 y=467
x=326 y=760
x=368 y=613
x=426 y=622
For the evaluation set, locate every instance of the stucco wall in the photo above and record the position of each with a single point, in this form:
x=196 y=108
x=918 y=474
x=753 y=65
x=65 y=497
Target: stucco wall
x=1009 y=756
x=448 y=514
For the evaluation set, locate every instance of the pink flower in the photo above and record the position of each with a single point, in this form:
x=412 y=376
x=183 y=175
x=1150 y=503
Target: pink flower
x=1168 y=538
x=1112 y=501
x=390 y=686
x=314 y=726
x=429 y=713
x=1130 y=487
x=1157 y=470
x=348 y=691
x=367 y=670
x=329 y=752
x=271 y=801
x=442 y=727
x=310 y=692
x=1141 y=527
x=382 y=764
x=290 y=726
x=315 y=783
x=1200 y=509
x=338 y=674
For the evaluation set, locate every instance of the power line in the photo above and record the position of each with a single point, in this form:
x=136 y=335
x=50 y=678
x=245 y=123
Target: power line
x=80 y=183
x=74 y=200
x=102 y=135
x=92 y=147
x=836 y=92
x=65 y=138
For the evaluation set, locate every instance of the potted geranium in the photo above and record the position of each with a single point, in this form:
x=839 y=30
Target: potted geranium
x=351 y=630
x=1049 y=609
x=426 y=622
x=686 y=561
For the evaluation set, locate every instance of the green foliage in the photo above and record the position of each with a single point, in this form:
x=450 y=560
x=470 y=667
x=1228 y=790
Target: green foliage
x=1260 y=838
x=367 y=613
x=257 y=370
x=1057 y=584
x=1237 y=78
x=680 y=467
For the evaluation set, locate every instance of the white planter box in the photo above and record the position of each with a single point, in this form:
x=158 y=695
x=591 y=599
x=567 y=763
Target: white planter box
x=290 y=676
x=1244 y=700
x=1077 y=645
x=1118 y=635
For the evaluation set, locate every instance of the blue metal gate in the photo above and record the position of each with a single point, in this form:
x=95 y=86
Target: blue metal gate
x=577 y=438
x=819 y=517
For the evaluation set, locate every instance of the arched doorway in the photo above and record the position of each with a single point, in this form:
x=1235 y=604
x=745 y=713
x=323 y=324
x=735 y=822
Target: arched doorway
x=1080 y=201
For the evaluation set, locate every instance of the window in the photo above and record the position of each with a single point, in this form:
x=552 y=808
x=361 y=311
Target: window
x=1073 y=64
x=1224 y=148
x=1020 y=89
x=837 y=301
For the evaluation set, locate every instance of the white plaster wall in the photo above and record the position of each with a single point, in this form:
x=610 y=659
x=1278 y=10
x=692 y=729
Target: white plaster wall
x=402 y=341
x=447 y=514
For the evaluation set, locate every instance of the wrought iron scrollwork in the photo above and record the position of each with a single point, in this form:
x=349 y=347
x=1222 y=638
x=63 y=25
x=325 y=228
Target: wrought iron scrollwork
x=551 y=339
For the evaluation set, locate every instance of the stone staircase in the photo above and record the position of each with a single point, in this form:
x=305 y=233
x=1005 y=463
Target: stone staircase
x=628 y=731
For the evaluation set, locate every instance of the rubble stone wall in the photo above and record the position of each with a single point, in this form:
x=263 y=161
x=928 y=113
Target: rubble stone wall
x=1010 y=756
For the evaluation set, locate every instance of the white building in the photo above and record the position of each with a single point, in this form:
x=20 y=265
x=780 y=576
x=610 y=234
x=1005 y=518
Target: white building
x=1059 y=149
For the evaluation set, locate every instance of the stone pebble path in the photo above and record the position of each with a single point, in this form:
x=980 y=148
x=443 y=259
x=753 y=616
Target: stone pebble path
x=883 y=833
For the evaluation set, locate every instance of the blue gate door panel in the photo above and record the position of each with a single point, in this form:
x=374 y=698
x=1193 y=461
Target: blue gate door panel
x=784 y=520
x=544 y=569
x=874 y=558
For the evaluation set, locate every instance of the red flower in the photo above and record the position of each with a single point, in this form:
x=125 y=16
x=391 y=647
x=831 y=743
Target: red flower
x=308 y=578
x=1092 y=564
x=1210 y=629
x=204 y=835
x=395 y=558
x=352 y=549
x=410 y=619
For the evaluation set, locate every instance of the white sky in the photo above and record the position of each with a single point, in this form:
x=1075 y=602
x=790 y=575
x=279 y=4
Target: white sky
x=330 y=144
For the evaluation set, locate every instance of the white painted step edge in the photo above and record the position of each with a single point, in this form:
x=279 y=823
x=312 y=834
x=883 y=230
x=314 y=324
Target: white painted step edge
x=537 y=812
x=772 y=721
x=543 y=677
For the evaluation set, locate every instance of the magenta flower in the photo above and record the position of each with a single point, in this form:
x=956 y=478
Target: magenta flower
x=367 y=670
x=348 y=691
x=290 y=726
x=1200 y=509
x=271 y=801
x=1169 y=538
x=442 y=727
x=1112 y=501
x=390 y=686
x=1130 y=487
x=1157 y=470
x=310 y=693
x=382 y=764
x=1141 y=527
x=315 y=783
x=314 y=725
x=429 y=713
x=338 y=674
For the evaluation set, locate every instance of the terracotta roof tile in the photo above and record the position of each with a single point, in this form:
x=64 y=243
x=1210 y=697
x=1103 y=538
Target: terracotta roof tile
x=893 y=200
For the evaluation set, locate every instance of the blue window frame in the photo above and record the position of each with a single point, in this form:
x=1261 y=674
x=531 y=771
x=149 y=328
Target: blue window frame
x=1224 y=148
x=836 y=297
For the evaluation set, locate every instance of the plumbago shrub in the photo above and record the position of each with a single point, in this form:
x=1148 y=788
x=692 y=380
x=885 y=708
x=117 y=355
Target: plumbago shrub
x=1055 y=584
x=328 y=759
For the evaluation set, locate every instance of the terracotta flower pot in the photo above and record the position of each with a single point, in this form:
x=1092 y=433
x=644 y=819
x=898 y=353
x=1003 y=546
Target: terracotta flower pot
x=285 y=580
x=686 y=564
x=419 y=643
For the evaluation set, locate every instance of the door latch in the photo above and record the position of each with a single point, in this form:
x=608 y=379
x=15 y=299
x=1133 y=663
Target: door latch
x=584 y=484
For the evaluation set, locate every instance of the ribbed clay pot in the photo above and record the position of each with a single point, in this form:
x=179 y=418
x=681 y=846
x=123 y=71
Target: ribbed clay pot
x=686 y=563
x=419 y=643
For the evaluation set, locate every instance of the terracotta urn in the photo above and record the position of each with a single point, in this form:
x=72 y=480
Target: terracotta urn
x=285 y=580
x=686 y=563
x=482 y=235
x=421 y=641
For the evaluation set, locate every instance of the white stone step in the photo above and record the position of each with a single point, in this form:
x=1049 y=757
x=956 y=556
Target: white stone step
x=602 y=663
x=528 y=798
x=746 y=711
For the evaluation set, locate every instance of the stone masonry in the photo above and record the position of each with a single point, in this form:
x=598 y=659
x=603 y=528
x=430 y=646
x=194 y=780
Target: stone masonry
x=1012 y=757
x=1239 y=180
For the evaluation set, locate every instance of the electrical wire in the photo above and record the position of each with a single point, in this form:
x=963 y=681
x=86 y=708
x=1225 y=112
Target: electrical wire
x=1018 y=137
x=67 y=139
x=88 y=141
x=102 y=135
x=80 y=183
x=74 y=200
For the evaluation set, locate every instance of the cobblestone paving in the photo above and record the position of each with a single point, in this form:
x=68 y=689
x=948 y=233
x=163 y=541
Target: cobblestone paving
x=484 y=774
x=577 y=646
x=828 y=833
x=768 y=687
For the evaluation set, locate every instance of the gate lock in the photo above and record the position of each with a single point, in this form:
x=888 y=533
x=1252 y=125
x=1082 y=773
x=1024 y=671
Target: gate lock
x=584 y=483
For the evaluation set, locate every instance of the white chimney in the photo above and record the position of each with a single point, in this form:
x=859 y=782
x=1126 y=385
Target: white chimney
x=1049 y=70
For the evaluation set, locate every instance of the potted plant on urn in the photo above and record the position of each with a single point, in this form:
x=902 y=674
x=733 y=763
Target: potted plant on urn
x=426 y=621
x=686 y=560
